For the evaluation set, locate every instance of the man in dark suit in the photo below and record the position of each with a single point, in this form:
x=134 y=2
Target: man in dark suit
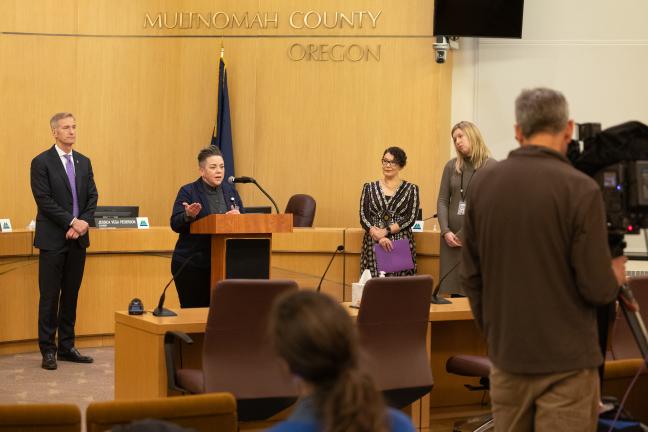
x=63 y=186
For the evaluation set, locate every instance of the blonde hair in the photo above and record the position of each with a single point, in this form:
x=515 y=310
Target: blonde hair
x=479 y=153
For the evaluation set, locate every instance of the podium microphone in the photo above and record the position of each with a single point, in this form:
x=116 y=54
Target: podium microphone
x=231 y=180
x=340 y=248
x=160 y=310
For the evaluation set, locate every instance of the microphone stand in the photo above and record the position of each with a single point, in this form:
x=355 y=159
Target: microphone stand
x=160 y=310
x=435 y=297
x=340 y=248
x=266 y=194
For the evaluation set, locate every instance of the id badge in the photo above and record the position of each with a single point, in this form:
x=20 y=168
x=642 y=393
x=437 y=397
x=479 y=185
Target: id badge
x=461 y=210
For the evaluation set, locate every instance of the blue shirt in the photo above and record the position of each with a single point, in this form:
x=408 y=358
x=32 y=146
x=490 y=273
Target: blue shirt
x=303 y=420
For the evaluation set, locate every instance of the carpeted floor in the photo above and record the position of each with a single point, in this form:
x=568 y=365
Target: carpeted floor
x=23 y=380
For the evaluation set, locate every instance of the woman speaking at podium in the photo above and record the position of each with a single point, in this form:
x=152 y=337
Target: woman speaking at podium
x=388 y=209
x=207 y=195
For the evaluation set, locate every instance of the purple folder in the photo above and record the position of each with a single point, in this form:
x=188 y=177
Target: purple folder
x=399 y=259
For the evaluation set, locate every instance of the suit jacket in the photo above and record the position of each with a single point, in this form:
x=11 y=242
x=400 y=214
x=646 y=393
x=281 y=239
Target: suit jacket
x=51 y=190
x=188 y=244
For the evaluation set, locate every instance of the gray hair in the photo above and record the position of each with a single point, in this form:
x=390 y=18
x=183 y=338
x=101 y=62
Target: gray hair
x=208 y=152
x=541 y=110
x=59 y=116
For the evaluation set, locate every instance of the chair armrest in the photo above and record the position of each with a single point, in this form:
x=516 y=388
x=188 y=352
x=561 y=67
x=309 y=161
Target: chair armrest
x=170 y=338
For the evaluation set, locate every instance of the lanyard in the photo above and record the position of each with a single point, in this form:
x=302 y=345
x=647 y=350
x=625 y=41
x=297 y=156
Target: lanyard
x=463 y=191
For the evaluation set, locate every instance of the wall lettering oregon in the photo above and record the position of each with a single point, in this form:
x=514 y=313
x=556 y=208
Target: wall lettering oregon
x=307 y=22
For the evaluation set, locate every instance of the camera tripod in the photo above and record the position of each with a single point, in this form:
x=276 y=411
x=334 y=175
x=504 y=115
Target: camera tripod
x=628 y=304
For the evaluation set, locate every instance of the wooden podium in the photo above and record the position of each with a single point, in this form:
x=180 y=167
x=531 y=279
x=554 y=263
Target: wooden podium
x=241 y=245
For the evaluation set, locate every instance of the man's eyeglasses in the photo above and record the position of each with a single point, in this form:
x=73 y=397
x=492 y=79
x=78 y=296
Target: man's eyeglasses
x=387 y=162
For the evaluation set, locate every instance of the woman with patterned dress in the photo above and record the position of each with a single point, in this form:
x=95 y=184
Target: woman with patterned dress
x=388 y=209
x=472 y=156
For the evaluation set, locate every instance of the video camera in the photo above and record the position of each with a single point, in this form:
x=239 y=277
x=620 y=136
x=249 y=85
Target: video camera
x=617 y=158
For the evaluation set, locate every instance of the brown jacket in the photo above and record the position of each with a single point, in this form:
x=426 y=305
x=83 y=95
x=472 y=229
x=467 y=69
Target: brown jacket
x=536 y=262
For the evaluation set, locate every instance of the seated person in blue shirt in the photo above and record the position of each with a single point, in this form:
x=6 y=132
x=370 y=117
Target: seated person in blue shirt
x=314 y=334
x=207 y=195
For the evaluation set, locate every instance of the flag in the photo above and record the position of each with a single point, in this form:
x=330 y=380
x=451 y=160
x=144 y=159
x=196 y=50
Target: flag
x=222 y=136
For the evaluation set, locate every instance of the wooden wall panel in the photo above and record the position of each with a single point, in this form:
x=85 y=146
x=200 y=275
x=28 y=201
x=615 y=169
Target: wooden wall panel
x=145 y=106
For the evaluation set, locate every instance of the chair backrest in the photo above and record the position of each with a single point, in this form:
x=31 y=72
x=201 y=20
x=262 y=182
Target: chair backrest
x=302 y=207
x=205 y=412
x=623 y=344
x=392 y=324
x=237 y=354
x=40 y=417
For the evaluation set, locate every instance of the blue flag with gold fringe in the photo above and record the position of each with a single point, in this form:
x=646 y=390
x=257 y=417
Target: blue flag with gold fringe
x=222 y=136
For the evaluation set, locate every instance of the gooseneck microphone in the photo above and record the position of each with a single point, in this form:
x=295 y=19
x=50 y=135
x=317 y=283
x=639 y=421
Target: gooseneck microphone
x=435 y=292
x=231 y=180
x=160 y=310
x=340 y=248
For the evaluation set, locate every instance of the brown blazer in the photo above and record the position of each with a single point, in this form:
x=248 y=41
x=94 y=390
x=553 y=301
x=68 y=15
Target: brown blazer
x=536 y=262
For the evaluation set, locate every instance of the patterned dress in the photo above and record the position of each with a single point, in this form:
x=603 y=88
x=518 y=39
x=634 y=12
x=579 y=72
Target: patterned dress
x=379 y=210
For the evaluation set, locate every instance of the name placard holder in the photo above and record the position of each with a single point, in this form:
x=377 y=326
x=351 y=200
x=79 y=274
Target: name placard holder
x=122 y=222
x=117 y=222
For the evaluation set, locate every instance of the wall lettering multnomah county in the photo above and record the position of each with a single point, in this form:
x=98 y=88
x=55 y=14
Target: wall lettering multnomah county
x=300 y=20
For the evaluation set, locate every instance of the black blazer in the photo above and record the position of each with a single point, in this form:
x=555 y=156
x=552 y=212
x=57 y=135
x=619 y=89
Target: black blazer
x=188 y=244
x=51 y=190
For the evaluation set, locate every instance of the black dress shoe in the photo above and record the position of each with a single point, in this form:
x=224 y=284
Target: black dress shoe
x=49 y=361
x=74 y=356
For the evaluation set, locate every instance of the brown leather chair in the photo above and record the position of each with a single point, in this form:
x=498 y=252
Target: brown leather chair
x=40 y=418
x=302 y=208
x=478 y=367
x=392 y=325
x=203 y=413
x=237 y=353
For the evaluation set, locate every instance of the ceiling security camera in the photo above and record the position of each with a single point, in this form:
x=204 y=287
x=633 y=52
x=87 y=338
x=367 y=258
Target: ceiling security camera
x=441 y=47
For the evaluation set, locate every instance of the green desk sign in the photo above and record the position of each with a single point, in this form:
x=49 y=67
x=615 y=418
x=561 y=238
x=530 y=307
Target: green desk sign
x=5 y=225
x=143 y=223
x=418 y=226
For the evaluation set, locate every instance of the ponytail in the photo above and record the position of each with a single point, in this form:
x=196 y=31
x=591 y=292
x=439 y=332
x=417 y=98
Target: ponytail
x=351 y=403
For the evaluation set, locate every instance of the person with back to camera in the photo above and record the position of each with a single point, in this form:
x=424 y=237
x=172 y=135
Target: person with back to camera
x=458 y=173
x=535 y=266
x=207 y=195
x=388 y=209
x=315 y=336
